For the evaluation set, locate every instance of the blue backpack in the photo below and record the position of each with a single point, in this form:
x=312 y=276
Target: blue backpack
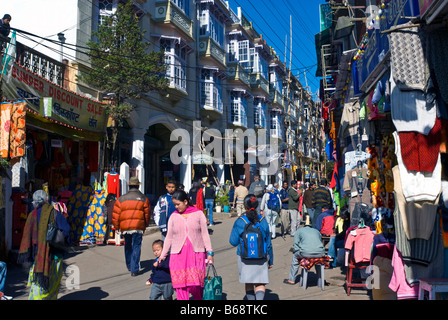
x=273 y=202
x=252 y=245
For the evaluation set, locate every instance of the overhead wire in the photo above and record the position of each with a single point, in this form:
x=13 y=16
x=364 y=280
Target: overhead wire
x=269 y=26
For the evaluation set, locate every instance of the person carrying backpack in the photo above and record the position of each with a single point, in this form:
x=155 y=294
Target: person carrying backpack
x=270 y=207
x=251 y=235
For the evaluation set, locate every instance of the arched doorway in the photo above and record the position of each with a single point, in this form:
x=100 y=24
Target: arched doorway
x=157 y=162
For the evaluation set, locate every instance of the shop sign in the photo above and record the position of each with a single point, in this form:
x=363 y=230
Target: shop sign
x=378 y=42
x=202 y=158
x=326 y=16
x=67 y=107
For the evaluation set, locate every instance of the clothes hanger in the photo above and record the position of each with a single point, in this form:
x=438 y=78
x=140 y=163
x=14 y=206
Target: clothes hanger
x=361 y=223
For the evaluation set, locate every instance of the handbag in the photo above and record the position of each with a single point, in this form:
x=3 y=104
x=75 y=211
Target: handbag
x=212 y=285
x=55 y=237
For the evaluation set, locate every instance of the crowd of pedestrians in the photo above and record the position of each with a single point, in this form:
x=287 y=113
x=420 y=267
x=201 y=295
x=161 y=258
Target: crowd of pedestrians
x=184 y=249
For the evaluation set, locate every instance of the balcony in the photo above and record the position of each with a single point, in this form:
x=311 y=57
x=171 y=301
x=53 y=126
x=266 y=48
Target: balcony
x=259 y=83
x=238 y=73
x=168 y=13
x=210 y=50
x=276 y=98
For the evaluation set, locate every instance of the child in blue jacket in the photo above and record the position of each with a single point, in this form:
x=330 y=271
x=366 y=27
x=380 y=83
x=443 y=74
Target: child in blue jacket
x=160 y=279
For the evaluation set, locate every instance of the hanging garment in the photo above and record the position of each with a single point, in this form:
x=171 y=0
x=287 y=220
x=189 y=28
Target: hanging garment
x=411 y=111
x=417 y=217
x=113 y=183
x=17 y=135
x=95 y=227
x=420 y=152
x=361 y=240
x=408 y=62
x=349 y=120
x=417 y=251
x=77 y=207
x=352 y=158
x=398 y=282
x=418 y=186
x=5 y=128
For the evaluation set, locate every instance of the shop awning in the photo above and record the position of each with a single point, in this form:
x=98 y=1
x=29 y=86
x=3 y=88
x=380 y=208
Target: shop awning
x=33 y=119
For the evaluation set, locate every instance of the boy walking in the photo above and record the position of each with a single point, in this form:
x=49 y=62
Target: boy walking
x=165 y=207
x=160 y=279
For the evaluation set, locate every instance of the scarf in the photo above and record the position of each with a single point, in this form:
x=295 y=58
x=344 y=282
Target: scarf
x=34 y=245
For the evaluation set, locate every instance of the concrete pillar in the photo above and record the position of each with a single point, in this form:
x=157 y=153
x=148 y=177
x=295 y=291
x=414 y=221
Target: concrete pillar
x=141 y=177
x=138 y=146
x=220 y=174
x=185 y=171
x=124 y=178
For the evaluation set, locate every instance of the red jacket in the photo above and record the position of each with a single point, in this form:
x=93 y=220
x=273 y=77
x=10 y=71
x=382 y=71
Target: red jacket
x=131 y=211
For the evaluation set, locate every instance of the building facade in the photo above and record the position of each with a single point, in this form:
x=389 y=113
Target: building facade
x=222 y=76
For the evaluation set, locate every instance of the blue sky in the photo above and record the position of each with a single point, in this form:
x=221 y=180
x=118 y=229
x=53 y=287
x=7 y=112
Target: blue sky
x=271 y=18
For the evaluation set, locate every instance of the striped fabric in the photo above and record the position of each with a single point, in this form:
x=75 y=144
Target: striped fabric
x=417 y=250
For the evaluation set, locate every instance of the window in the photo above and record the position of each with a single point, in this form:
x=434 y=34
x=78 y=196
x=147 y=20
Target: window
x=276 y=81
x=232 y=51
x=183 y=5
x=258 y=63
x=106 y=9
x=175 y=60
x=238 y=107
x=259 y=113
x=210 y=26
x=210 y=86
x=275 y=125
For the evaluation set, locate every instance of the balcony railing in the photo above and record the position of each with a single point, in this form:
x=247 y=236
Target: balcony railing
x=258 y=81
x=276 y=98
x=208 y=47
x=42 y=65
x=167 y=12
x=236 y=72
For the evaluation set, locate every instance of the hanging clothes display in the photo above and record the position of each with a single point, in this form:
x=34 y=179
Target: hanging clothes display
x=95 y=228
x=77 y=207
x=418 y=186
x=112 y=181
x=4 y=128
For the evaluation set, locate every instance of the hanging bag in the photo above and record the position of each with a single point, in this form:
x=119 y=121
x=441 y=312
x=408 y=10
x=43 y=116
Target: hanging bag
x=55 y=237
x=212 y=285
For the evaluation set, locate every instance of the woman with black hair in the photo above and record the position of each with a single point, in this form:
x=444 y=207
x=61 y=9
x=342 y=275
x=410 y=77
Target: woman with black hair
x=252 y=272
x=190 y=245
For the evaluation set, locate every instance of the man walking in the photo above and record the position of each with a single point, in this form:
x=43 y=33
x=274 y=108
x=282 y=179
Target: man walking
x=131 y=217
x=284 y=212
x=321 y=200
x=209 y=199
x=240 y=193
x=308 y=200
x=293 y=206
x=257 y=188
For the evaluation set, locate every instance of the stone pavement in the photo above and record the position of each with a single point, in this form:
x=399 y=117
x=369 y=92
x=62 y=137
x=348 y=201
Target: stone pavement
x=103 y=274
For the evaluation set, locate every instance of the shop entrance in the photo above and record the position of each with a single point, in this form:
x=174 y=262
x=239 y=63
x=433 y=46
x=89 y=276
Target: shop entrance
x=158 y=165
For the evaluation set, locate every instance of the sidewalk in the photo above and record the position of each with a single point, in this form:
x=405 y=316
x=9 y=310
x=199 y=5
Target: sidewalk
x=103 y=274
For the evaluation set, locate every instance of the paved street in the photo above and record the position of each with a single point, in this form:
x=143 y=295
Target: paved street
x=103 y=274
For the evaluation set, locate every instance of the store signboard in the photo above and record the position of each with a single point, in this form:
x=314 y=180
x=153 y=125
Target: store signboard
x=378 y=42
x=67 y=107
x=326 y=16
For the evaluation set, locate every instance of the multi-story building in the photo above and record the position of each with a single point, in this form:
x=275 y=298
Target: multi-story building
x=222 y=75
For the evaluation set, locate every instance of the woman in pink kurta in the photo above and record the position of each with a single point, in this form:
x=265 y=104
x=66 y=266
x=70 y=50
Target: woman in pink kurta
x=190 y=245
